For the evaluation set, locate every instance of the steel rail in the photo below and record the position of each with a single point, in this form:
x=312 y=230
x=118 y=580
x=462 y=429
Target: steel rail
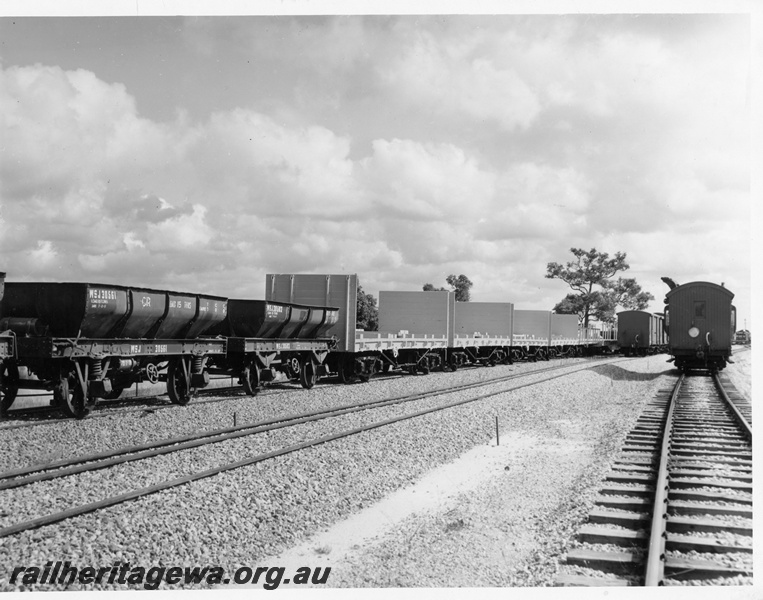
x=743 y=422
x=121 y=498
x=128 y=403
x=24 y=476
x=655 y=563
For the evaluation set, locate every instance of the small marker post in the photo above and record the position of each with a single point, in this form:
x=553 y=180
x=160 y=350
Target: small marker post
x=497 y=438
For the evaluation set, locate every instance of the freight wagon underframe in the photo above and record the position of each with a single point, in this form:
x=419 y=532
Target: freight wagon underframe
x=380 y=353
x=256 y=361
x=78 y=372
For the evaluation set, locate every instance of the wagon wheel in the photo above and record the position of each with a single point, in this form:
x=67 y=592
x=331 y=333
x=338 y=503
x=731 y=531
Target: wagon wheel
x=178 y=383
x=308 y=374
x=374 y=366
x=9 y=387
x=347 y=370
x=293 y=368
x=250 y=378
x=71 y=398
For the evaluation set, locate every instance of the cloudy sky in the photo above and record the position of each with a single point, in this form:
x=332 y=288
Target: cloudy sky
x=200 y=153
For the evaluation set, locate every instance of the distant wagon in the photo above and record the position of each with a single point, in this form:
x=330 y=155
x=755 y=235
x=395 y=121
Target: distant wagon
x=640 y=332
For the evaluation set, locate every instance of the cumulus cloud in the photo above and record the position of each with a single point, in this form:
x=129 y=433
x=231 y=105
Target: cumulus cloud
x=425 y=182
x=404 y=149
x=454 y=84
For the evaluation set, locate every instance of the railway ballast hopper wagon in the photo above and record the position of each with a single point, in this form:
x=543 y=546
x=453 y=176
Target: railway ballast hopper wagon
x=6 y=359
x=701 y=322
x=85 y=341
x=268 y=337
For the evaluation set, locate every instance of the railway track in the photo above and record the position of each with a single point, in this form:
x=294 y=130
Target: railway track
x=48 y=415
x=60 y=469
x=676 y=508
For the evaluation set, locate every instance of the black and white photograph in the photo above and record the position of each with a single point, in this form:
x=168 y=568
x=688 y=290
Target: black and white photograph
x=428 y=297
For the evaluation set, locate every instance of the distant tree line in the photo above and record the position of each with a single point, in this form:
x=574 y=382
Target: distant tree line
x=459 y=284
x=367 y=312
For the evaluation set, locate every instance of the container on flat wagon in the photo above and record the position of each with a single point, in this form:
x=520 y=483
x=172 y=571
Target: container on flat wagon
x=534 y=324
x=489 y=319
x=420 y=313
x=564 y=327
x=337 y=291
x=68 y=309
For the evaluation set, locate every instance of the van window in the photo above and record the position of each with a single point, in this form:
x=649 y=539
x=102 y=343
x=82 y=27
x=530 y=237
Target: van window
x=699 y=309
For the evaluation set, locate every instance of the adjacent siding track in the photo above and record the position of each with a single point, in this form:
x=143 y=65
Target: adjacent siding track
x=48 y=415
x=19 y=478
x=677 y=507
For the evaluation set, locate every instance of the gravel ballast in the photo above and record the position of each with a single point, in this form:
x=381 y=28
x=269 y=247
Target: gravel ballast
x=507 y=528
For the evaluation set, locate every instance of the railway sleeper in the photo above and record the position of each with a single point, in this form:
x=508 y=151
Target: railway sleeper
x=685 y=524
x=678 y=482
x=730 y=461
x=570 y=580
x=618 y=469
x=619 y=517
x=709 y=448
x=709 y=474
x=605 y=561
x=712 y=464
x=708 y=439
x=683 y=452
x=642 y=449
x=614 y=489
x=634 y=503
x=689 y=543
x=690 y=495
x=685 y=507
x=682 y=569
x=631 y=478
x=636 y=464
x=595 y=534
